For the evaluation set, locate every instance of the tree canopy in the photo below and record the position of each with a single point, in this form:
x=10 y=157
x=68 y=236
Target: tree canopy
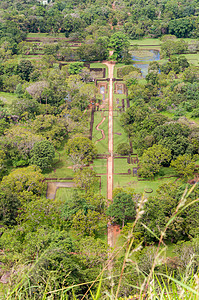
x=122 y=209
x=42 y=154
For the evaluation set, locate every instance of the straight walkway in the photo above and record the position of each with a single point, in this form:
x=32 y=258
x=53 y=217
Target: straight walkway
x=110 y=66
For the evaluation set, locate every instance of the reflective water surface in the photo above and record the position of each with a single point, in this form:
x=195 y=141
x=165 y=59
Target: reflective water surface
x=143 y=57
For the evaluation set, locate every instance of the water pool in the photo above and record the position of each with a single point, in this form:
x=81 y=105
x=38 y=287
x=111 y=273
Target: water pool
x=142 y=59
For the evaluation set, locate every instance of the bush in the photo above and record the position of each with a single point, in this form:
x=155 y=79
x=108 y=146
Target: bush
x=195 y=113
x=123 y=149
x=42 y=154
x=121 y=72
x=75 y=67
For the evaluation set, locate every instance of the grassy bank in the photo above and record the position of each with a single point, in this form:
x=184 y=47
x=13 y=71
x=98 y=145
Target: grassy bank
x=8 y=98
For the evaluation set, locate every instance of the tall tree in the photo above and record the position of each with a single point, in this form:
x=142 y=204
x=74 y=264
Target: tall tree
x=18 y=188
x=86 y=179
x=42 y=154
x=152 y=159
x=119 y=43
x=81 y=150
x=122 y=208
x=184 y=165
x=24 y=69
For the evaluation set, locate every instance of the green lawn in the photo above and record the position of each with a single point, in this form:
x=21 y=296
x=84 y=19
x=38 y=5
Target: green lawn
x=141 y=81
x=142 y=53
x=140 y=186
x=99 y=65
x=117 y=128
x=115 y=113
x=104 y=185
x=190 y=40
x=7 y=97
x=145 y=48
x=40 y=35
x=187 y=115
x=118 y=139
x=64 y=193
x=61 y=168
x=121 y=165
x=145 y=42
x=100 y=165
x=120 y=97
x=192 y=58
x=31 y=57
x=27 y=57
x=67 y=193
x=195 y=120
x=156 y=42
x=117 y=66
x=102 y=146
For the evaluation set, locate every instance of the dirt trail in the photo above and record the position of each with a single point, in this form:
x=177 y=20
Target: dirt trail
x=102 y=131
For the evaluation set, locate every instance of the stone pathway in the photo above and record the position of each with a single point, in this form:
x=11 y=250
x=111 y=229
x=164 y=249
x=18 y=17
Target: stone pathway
x=110 y=66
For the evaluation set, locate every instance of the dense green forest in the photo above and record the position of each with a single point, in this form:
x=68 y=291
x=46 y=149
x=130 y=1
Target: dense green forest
x=55 y=84
x=79 y=19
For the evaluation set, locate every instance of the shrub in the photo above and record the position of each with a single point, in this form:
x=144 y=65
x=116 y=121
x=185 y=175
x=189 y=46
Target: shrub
x=42 y=154
x=121 y=72
x=123 y=149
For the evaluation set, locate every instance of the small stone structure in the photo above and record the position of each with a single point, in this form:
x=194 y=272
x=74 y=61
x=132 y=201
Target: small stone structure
x=135 y=172
x=102 y=86
x=119 y=88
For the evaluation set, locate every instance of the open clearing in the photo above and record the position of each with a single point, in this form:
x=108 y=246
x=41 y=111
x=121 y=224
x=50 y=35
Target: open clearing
x=7 y=98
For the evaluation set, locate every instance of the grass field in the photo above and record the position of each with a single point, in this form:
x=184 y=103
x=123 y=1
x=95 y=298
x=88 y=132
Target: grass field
x=156 y=42
x=99 y=65
x=100 y=165
x=187 y=115
x=7 y=98
x=120 y=97
x=40 y=35
x=64 y=193
x=118 y=139
x=142 y=53
x=145 y=42
x=121 y=165
x=102 y=146
x=61 y=168
x=104 y=185
x=140 y=186
x=117 y=66
x=190 y=40
x=149 y=47
x=193 y=58
x=115 y=113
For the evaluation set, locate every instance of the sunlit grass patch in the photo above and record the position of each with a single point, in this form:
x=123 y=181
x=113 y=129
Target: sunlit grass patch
x=62 y=166
x=119 y=135
x=102 y=146
x=7 y=98
x=121 y=165
x=64 y=193
x=100 y=165
x=140 y=186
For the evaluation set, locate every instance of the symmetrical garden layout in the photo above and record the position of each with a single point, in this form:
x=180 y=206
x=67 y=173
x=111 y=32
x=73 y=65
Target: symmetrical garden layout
x=106 y=132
